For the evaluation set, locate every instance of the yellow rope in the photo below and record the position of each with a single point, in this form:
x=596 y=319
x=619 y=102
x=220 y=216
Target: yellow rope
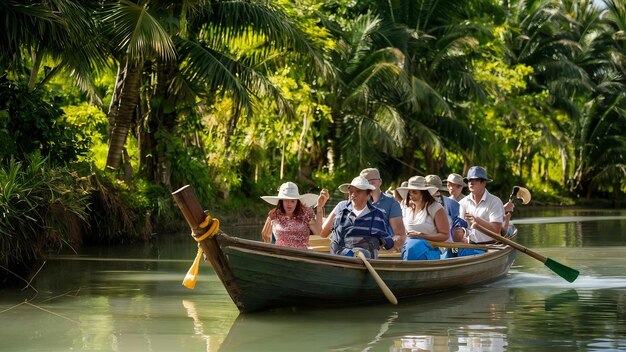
x=192 y=275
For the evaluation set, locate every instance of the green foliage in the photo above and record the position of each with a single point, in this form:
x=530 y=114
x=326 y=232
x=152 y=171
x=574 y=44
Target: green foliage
x=89 y=119
x=43 y=209
x=120 y=212
x=28 y=124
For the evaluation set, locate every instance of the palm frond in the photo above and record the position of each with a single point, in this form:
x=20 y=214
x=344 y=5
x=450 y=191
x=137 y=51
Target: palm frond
x=428 y=98
x=221 y=74
x=247 y=20
x=133 y=31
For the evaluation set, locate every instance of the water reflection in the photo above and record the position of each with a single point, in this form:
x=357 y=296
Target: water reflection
x=560 y=299
x=461 y=321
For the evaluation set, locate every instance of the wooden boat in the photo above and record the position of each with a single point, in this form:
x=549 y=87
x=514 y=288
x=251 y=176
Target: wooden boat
x=261 y=276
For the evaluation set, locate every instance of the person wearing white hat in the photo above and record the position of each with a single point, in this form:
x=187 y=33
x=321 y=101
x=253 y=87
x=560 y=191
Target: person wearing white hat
x=293 y=221
x=449 y=204
x=455 y=186
x=480 y=207
x=355 y=224
x=424 y=219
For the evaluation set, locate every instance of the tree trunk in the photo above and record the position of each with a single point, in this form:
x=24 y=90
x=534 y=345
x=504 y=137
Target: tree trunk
x=160 y=117
x=122 y=110
x=36 y=56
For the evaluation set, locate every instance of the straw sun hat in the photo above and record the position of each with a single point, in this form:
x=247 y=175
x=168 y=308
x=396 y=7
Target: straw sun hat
x=416 y=183
x=359 y=182
x=289 y=190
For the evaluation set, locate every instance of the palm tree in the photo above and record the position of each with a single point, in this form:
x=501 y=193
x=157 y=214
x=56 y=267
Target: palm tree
x=199 y=58
x=370 y=86
x=55 y=30
x=440 y=41
x=134 y=36
x=597 y=133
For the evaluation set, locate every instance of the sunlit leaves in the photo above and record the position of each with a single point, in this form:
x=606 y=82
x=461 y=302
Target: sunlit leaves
x=136 y=33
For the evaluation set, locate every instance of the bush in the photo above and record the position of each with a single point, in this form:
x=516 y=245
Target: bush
x=43 y=210
x=28 y=124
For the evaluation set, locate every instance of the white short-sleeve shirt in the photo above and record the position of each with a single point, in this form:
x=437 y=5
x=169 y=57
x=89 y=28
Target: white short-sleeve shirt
x=489 y=208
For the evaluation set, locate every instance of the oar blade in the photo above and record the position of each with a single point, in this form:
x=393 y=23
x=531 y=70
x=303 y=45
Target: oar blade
x=563 y=271
x=523 y=194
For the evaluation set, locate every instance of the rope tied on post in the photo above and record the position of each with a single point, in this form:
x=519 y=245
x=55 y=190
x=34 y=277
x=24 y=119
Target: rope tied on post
x=192 y=275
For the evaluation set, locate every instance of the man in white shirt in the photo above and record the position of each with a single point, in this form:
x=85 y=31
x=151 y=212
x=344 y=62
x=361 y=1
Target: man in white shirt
x=479 y=207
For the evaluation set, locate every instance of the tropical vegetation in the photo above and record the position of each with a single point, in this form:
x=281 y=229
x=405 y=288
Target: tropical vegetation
x=108 y=106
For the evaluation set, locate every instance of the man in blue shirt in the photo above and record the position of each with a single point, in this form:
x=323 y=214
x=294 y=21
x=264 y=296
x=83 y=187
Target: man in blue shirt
x=388 y=204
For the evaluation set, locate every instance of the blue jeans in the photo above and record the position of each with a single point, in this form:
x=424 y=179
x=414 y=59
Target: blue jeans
x=419 y=249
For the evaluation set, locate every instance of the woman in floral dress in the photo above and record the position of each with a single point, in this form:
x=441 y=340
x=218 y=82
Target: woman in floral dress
x=293 y=219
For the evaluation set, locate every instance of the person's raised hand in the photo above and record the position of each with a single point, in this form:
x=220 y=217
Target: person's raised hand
x=323 y=198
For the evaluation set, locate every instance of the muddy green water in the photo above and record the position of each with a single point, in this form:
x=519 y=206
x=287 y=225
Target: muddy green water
x=131 y=299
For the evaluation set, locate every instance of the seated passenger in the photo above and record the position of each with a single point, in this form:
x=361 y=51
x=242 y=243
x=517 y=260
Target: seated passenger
x=393 y=213
x=508 y=228
x=293 y=221
x=480 y=207
x=424 y=219
x=455 y=186
x=450 y=205
x=356 y=224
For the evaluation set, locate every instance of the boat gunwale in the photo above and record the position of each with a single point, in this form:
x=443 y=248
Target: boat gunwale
x=322 y=258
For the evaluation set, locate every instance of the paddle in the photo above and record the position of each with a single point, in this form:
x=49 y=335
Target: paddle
x=459 y=245
x=522 y=193
x=383 y=286
x=563 y=271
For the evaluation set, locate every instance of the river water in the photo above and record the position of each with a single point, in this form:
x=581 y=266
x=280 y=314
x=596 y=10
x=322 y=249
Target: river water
x=130 y=298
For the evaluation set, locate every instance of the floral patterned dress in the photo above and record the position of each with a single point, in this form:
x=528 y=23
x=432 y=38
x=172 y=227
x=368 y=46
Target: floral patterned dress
x=292 y=231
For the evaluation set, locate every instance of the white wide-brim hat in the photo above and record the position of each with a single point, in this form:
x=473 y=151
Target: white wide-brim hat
x=359 y=182
x=416 y=183
x=289 y=190
x=456 y=179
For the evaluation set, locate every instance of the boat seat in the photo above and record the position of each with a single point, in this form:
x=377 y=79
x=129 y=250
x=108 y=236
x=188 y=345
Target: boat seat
x=321 y=244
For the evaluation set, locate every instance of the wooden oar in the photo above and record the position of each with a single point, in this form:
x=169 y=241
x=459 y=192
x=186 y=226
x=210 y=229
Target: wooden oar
x=563 y=271
x=459 y=245
x=383 y=286
x=522 y=193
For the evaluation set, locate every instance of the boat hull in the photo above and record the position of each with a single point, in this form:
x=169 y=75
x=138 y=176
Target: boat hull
x=260 y=276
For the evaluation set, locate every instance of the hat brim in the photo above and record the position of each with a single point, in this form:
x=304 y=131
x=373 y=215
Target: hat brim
x=308 y=199
x=344 y=187
x=466 y=180
x=457 y=182
x=404 y=191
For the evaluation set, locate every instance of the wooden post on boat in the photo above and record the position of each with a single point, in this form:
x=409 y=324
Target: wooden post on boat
x=193 y=212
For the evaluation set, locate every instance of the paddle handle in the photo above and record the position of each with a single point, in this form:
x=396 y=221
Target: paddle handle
x=383 y=286
x=509 y=242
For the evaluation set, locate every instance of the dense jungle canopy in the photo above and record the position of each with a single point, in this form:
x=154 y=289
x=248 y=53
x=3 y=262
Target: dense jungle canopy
x=107 y=106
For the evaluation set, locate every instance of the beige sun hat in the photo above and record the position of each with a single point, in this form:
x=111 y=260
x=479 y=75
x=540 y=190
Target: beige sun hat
x=435 y=181
x=289 y=190
x=359 y=182
x=416 y=183
x=371 y=173
x=456 y=179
